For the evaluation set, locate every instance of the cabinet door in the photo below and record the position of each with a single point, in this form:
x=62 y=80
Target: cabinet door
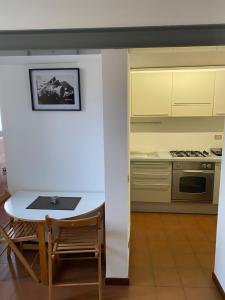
x=151 y=93
x=219 y=96
x=193 y=87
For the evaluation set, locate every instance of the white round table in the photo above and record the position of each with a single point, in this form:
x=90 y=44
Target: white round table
x=16 y=207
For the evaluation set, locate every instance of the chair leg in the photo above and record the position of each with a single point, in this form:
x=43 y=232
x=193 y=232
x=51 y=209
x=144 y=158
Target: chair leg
x=99 y=276
x=8 y=251
x=49 y=271
x=49 y=280
x=24 y=261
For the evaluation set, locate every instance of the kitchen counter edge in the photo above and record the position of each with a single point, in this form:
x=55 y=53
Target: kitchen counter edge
x=166 y=157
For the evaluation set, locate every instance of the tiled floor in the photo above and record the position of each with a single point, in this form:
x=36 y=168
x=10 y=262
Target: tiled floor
x=171 y=259
x=172 y=256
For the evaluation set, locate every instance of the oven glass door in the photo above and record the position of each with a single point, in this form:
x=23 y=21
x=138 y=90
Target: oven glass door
x=192 y=186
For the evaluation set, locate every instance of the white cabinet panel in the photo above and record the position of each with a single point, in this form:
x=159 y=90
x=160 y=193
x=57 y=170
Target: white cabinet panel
x=194 y=110
x=193 y=87
x=193 y=92
x=219 y=96
x=151 y=93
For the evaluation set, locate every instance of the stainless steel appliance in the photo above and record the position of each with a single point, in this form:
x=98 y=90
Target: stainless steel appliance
x=216 y=151
x=192 y=181
x=189 y=153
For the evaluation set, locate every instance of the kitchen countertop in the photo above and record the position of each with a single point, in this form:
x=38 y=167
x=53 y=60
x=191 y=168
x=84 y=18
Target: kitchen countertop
x=166 y=156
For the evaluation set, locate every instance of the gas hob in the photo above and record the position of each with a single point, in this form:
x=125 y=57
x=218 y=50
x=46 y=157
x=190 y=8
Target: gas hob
x=189 y=153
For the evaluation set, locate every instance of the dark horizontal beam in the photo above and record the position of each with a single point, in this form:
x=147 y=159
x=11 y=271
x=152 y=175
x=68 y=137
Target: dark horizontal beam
x=102 y=38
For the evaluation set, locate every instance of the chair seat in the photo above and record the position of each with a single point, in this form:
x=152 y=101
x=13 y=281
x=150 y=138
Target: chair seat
x=20 y=231
x=76 y=240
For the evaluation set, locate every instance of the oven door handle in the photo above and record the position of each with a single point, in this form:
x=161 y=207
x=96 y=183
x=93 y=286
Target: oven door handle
x=199 y=171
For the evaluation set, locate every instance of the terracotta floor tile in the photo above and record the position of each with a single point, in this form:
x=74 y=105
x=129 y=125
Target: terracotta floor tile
x=143 y=293
x=196 y=235
x=158 y=246
x=193 y=278
x=206 y=260
x=156 y=236
x=167 y=277
x=202 y=246
x=186 y=261
x=141 y=276
x=162 y=260
x=112 y=292
x=170 y=293
x=202 y=294
x=176 y=235
x=183 y=247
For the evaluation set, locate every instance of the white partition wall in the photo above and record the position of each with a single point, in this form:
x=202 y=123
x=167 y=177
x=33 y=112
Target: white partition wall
x=220 y=238
x=52 y=150
x=114 y=74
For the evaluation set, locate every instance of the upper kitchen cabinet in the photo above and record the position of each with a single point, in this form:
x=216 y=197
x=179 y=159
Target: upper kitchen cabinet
x=219 y=97
x=193 y=92
x=151 y=93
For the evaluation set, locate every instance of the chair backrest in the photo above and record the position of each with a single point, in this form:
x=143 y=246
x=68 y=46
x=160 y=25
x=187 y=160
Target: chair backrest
x=94 y=221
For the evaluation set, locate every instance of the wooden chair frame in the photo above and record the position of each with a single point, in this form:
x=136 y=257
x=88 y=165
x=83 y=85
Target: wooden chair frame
x=18 y=232
x=68 y=244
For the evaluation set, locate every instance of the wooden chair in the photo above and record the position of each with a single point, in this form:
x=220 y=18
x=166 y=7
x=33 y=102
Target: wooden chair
x=77 y=236
x=16 y=231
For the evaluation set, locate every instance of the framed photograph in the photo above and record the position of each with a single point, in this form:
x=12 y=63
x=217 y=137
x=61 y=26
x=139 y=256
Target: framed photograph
x=55 y=89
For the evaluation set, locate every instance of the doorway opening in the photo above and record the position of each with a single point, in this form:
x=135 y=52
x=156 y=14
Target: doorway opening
x=176 y=104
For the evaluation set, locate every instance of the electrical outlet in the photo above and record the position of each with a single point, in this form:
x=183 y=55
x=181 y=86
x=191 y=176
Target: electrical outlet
x=218 y=137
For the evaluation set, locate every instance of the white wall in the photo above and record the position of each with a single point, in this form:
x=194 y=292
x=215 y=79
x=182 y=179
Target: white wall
x=176 y=133
x=220 y=240
x=50 y=150
x=33 y=14
x=114 y=74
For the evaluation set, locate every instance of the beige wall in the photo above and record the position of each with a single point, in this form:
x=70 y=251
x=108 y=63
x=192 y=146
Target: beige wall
x=25 y=14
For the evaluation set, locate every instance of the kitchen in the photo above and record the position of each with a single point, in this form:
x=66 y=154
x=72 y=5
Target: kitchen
x=177 y=120
x=177 y=111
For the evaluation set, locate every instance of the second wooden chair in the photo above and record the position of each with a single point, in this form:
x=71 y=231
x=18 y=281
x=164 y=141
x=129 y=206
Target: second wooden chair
x=81 y=237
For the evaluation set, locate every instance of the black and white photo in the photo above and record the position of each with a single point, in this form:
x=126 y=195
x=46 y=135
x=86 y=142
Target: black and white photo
x=55 y=89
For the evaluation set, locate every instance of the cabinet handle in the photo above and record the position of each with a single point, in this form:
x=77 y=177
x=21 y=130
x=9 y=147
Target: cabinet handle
x=188 y=103
x=220 y=114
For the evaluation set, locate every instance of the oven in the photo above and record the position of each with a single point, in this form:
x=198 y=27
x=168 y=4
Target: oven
x=193 y=181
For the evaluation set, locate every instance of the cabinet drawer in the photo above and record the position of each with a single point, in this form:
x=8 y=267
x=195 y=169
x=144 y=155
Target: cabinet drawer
x=154 y=194
x=150 y=186
x=149 y=175
x=139 y=165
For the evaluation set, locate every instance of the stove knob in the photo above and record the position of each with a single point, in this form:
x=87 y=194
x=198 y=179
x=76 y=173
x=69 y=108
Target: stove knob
x=209 y=166
x=204 y=166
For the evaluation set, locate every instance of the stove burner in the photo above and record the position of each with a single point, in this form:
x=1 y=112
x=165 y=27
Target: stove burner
x=189 y=153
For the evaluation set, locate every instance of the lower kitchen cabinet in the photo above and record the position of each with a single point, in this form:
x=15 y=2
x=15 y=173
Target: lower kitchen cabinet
x=151 y=181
